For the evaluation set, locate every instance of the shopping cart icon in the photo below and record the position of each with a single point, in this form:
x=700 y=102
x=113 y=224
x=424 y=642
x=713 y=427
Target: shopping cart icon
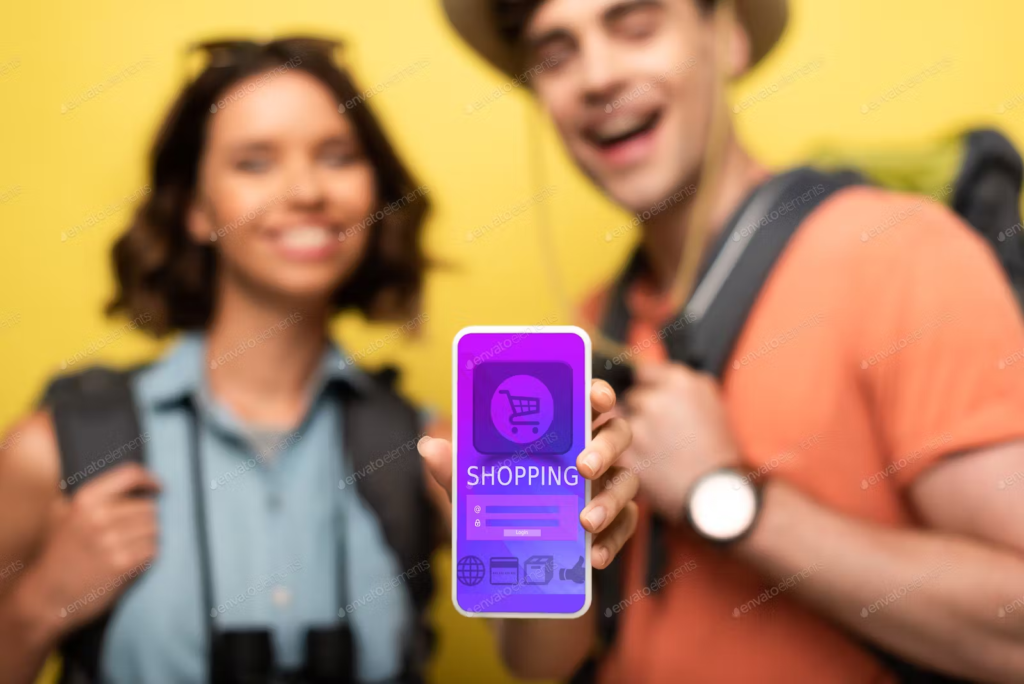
x=521 y=407
x=520 y=403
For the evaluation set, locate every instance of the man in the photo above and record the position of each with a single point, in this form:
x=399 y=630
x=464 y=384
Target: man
x=870 y=400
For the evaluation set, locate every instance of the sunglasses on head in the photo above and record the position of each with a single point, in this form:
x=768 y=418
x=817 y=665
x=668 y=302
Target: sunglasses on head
x=236 y=52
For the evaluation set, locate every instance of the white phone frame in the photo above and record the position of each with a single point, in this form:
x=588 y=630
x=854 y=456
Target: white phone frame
x=588 y=569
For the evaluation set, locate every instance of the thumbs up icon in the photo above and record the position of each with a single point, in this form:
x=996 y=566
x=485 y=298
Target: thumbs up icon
x=573 y=574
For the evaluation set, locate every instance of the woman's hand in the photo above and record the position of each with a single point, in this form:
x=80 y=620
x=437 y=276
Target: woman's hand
x=105 y=539
x=611 y=514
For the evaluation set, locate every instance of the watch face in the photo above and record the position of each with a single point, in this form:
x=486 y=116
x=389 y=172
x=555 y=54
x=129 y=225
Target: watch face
x=723 y=505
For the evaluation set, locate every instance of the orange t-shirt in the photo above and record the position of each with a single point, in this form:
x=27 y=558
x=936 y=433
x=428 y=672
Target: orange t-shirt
x=885 y=339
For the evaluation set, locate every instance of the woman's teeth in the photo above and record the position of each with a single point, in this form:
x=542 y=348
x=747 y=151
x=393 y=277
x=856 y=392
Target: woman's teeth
x=307 y=237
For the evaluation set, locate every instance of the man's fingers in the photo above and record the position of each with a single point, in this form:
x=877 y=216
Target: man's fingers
x=611 y=439
x=130 y=478
x=437 y=453
x=133 y=509
x=608 y=544
x=602 y=398
x=617 y=489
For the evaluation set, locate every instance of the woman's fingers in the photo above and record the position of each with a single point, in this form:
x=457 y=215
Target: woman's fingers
x=608 y=544
x=602 y=398
x=610 y=440
x=615 y=491
x=437 y=453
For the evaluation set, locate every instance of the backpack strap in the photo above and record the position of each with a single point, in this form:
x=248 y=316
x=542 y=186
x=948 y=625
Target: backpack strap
x=987 y=195
x=381 y=431
x=704 y=333
x=97 y=428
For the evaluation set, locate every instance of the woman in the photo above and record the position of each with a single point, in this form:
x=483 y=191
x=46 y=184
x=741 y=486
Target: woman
x=241 y=544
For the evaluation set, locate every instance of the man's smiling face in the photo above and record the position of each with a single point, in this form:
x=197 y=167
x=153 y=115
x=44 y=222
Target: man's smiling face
x=629 y=85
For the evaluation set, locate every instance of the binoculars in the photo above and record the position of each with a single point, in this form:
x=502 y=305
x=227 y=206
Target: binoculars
x=247 y=657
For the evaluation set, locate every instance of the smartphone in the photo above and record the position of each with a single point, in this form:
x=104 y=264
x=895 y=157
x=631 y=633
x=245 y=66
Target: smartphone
x=521 y=416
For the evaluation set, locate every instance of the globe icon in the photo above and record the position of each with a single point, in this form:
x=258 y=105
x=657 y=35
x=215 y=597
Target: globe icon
x=470 y=571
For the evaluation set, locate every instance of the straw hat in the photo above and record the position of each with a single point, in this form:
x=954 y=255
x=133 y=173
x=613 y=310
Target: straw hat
x=474 y=20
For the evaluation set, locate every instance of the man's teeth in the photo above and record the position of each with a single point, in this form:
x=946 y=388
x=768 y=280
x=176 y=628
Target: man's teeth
x=310 y=237
x=619 y=126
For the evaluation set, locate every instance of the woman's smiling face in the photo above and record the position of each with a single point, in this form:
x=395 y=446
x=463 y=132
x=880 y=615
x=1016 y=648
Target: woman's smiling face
x=284 y=189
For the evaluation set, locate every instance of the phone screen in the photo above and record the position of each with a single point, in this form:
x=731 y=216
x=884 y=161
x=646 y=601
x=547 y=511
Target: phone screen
x=521 y=417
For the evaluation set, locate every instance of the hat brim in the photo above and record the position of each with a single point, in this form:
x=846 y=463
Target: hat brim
x=474 y=20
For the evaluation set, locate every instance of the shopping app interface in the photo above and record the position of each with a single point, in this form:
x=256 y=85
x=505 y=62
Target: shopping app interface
x=521 y=423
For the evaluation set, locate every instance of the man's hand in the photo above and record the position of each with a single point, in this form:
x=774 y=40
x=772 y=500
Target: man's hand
x=611 y=514
x=680 y=432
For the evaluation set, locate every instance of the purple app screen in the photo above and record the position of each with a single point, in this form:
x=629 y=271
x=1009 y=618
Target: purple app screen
x=521 y=421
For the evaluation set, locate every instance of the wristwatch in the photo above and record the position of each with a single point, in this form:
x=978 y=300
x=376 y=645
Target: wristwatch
x=723 y=505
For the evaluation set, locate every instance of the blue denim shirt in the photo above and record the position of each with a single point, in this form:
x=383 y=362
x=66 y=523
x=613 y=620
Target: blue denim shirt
x=274 y=524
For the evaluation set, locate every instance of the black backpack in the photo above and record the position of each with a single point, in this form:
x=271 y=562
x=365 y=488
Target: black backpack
x=985 y=193
x=97 y=428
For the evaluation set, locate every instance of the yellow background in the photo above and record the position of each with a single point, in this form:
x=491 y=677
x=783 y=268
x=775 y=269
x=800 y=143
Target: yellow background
x=70 y=160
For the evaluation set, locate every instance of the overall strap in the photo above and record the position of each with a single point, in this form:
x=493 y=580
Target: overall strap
x=381 y=431
x=97 y=428
x=703 y=334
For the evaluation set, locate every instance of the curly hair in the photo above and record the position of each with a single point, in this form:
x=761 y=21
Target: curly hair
x=166 y=279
